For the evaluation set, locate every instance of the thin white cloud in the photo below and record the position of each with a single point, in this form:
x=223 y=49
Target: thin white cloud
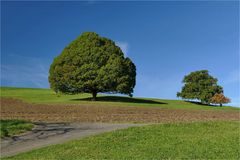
x=90 y=2
x=233 y=77
x=25 y=72
x=235 y=101
x=124 y=47
x=158 y=86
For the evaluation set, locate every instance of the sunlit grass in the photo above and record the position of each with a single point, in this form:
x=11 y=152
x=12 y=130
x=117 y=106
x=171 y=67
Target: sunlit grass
x=14 y=127
x=47 y=96
x=205 y=140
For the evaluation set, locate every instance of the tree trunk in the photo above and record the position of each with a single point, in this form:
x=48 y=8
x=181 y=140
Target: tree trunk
x=94 y=95
x=220 y=104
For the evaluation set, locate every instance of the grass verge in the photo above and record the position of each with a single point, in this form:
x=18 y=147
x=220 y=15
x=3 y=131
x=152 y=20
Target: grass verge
x=14 y=127
x=200 y=140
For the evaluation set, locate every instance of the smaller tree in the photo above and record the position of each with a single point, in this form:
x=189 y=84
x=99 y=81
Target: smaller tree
x=220 y=99
x=200 y=85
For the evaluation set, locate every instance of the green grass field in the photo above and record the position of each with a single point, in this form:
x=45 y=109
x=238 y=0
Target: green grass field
x=205 y=140
x=198 y=140
x=14 y=127
x=47 y=96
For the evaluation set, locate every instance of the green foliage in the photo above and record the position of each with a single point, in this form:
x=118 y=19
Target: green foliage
x=92 y=64
x=200 y=85
x=201 y=140
x=13 y=127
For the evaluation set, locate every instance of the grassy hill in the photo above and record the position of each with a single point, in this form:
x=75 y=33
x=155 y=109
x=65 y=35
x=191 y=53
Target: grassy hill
x=173 y=139
x=200 y=140
x=47 y=96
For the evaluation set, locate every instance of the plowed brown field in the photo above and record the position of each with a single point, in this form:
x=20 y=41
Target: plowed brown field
x=17 y=109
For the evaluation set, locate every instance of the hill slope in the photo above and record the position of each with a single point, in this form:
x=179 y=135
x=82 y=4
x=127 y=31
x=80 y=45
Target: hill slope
x=47 y=96
x=208 y=140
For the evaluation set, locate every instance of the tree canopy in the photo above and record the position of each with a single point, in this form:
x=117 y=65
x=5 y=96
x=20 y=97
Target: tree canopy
x=219 y=99
x=92 y=64
x=199 y=85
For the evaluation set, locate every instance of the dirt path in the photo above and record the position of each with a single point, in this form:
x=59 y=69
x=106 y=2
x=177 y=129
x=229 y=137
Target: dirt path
x=45 y=134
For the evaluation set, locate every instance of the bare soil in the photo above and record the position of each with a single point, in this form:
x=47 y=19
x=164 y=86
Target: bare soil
x=17 y=109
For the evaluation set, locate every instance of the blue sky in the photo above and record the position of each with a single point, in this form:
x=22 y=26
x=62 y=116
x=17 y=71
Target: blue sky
x=166 y=40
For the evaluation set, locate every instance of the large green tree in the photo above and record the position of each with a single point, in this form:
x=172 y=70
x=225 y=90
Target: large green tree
x=92 y=64
x=200 y=85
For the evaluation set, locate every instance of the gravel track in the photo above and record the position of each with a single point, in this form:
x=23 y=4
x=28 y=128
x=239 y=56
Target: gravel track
x=45 y=134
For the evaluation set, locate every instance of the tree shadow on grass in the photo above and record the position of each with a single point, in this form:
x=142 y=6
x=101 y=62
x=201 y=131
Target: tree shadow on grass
x=201 y=104
x=120 y=99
